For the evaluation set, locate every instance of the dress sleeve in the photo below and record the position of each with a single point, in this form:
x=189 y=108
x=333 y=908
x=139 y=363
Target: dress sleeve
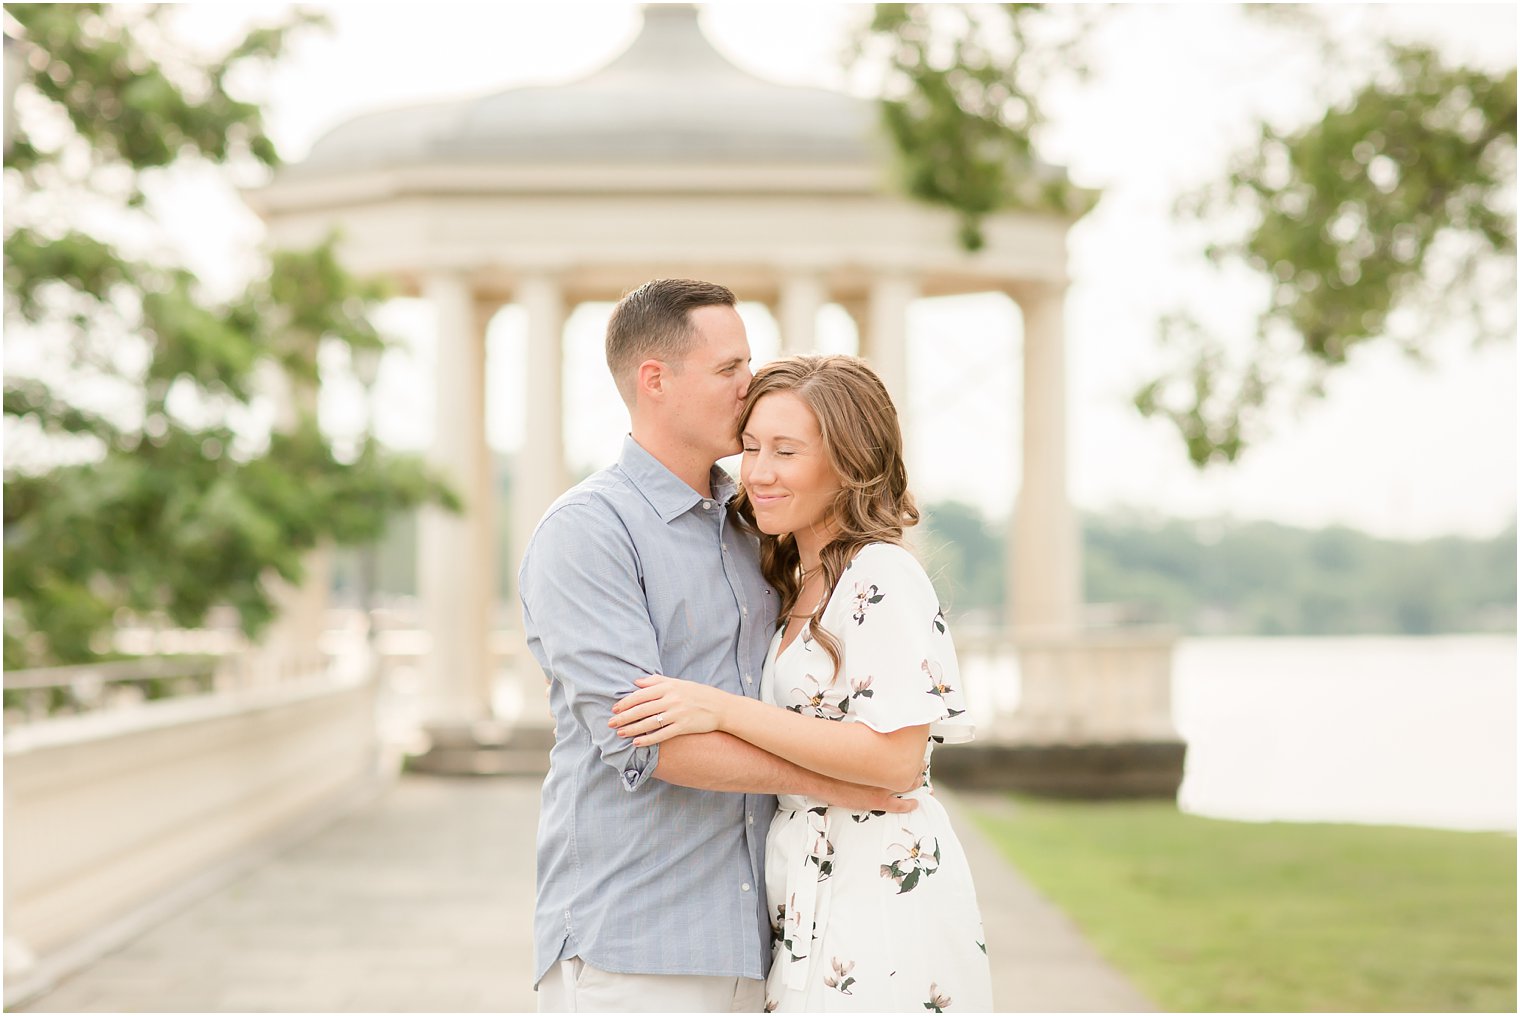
x=899 y=660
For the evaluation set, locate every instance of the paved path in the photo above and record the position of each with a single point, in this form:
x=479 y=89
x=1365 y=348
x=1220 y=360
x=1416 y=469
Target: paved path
x=420 y=902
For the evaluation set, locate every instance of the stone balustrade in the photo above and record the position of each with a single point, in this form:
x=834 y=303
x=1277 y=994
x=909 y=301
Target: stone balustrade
x=112 y=815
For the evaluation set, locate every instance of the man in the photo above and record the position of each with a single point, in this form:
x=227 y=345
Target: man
x=651 y=888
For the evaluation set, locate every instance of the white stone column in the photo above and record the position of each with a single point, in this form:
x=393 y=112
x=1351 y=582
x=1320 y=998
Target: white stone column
x=884 y=339
x=802 y=297
x=540 y=476
x=1044 y=576
x=859 y=310
x=884 y=345
x=454 y=565
x=483 y=490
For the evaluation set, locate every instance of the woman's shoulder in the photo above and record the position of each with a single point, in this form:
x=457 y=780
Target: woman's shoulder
x=887 y=562
x=891 y=556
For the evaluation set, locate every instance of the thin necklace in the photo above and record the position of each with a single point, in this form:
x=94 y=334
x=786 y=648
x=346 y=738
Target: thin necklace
x=802 y=581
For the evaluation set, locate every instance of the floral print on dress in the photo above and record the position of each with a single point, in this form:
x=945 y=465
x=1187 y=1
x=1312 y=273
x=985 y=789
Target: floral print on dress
x=813 y=699
x=865 y=596
x=840 y=980
x=822 y=853
x=937 y=685
x=889 y=897
x=777 y=923
x=912 y=862
x=790 y=923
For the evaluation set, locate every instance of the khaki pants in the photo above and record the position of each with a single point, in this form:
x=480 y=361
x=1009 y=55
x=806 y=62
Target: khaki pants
x=574 y=986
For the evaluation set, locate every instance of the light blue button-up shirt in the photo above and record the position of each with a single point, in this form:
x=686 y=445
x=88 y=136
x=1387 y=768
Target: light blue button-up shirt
x=632 y=572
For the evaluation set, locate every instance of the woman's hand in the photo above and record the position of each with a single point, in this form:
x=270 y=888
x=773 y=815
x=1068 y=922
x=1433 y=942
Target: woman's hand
x=666 y=707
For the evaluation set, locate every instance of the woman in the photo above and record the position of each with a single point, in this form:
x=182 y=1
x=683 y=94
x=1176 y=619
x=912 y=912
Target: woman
x=872 y=912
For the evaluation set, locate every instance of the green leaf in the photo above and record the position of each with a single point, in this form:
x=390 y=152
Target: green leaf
x=171 y=504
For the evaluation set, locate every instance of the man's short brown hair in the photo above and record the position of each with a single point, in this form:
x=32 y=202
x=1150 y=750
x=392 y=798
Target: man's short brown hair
x=653 y=323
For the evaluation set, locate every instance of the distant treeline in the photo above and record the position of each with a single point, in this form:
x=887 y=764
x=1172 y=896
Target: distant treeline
x=1249 y=578
x=1213 y=578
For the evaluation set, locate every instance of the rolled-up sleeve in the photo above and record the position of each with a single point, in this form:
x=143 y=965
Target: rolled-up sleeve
x=584 y=604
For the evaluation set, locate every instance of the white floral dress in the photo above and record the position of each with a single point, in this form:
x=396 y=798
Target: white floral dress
x=872 y=912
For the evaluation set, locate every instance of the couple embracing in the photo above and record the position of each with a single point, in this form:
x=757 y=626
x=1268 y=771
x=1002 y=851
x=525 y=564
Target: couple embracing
x=756 y=831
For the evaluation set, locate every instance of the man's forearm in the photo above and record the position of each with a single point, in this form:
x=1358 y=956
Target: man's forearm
x=719 y=761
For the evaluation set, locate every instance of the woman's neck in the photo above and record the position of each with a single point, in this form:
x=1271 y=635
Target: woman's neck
x=810 y=544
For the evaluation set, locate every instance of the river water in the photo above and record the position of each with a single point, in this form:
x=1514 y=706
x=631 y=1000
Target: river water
x=1405 y=731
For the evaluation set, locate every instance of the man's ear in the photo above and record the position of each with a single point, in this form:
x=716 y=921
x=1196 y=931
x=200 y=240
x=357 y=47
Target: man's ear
x=650 y=379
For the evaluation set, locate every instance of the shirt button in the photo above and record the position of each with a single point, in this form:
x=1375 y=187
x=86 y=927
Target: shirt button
x=748 y=679
x=751 y=820
x=745 y=887
x=707 y=506
x=744 y=611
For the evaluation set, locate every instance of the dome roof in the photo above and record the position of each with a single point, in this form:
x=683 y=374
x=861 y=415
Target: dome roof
x=670 y=95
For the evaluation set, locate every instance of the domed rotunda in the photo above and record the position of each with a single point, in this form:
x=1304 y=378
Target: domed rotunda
x=669 y=161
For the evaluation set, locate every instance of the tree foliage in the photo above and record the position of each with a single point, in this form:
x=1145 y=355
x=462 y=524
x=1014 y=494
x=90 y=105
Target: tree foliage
x=1246 y=578
x=960 y=101
x=1390 y=218
x=164 y=453
x=1261 y=578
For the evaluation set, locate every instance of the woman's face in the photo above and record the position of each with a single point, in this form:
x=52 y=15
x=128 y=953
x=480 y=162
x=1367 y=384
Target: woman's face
x=786 y=469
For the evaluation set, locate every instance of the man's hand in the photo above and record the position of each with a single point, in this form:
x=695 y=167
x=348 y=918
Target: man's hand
x=854 y=797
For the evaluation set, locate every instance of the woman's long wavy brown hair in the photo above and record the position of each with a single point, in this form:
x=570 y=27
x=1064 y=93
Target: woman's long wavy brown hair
x=863 y=441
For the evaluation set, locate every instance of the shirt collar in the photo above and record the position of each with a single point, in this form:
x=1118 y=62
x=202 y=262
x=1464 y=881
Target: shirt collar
x=668 y=494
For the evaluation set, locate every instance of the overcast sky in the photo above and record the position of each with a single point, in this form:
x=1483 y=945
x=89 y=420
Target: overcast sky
x=1396 y=449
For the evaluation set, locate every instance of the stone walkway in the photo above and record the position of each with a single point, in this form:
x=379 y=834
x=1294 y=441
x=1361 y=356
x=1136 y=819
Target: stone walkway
x=421 y=900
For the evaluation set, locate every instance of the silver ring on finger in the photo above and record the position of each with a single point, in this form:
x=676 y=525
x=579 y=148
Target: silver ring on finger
x=659 y=719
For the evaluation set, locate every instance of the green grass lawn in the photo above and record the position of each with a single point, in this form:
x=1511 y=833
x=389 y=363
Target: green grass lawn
x=1209 y=915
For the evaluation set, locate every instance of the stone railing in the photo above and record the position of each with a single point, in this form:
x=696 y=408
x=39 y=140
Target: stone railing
x=116 y=815
x=53 y=692
x=1094 y=686
x=1100 y=684
x=1093 y=716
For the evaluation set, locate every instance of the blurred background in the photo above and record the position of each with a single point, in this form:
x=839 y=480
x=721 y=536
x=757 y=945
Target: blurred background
x=1200 y=320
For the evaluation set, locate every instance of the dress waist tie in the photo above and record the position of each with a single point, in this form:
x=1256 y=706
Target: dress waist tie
x=805 y=887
